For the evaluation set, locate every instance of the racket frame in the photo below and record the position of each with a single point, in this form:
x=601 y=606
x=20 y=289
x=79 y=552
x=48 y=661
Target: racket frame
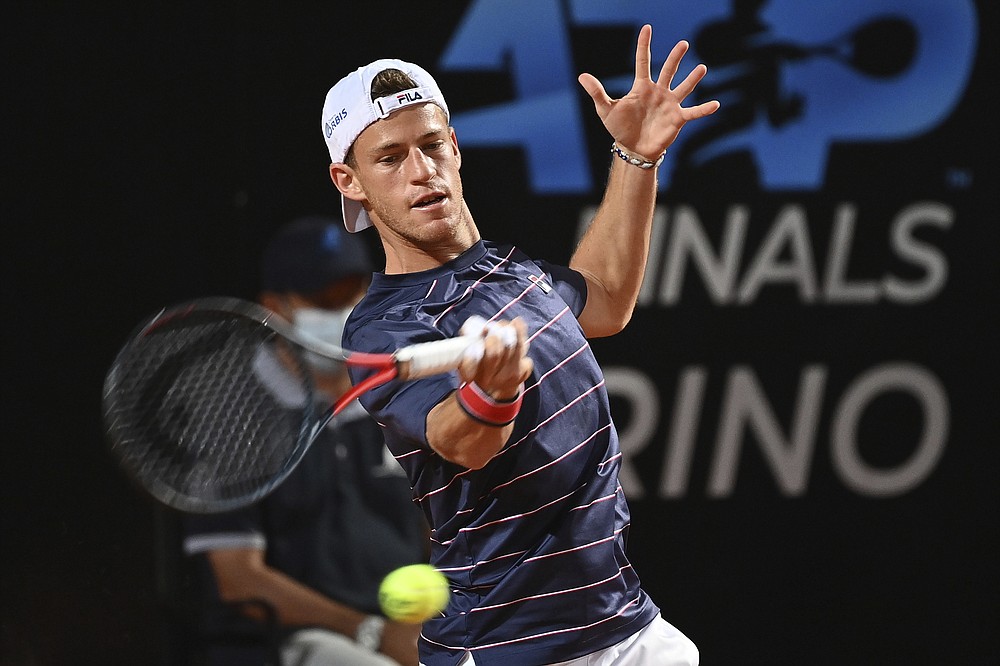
x=407 y=363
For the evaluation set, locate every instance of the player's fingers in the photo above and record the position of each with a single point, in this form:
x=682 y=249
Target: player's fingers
x=702 y=110
x=670 y=65
x=685 y=87
x=526 y=366
x=594 y=88
x=642 y=55
x=505 y=333
x=471 y=359
x=505 y=346
x=513 y=335
x=491 y=374
x=500 y=347
x=467 y=371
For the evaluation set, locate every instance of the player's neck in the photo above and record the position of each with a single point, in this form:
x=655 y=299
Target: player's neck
x=413 y=255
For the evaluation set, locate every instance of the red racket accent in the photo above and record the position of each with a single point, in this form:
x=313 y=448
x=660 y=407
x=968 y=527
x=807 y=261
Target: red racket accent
x=366 y=360
x=381 y=377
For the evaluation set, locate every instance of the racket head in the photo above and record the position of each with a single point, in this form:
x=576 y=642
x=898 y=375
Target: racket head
x=211 y=404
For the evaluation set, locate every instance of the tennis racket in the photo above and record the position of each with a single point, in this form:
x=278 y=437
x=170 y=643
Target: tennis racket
x=212 y=403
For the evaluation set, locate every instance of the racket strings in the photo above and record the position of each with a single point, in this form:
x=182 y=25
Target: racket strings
x=203 y=410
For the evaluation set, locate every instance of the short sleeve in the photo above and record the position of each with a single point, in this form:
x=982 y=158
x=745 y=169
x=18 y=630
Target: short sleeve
x=401 y=407
x=568 y=283
x=223 y=531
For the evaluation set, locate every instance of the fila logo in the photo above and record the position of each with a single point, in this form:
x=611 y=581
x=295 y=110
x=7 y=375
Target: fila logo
x=387 y=105
x=408 y=97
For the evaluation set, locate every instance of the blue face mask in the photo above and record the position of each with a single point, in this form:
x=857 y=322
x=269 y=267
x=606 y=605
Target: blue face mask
x=325 y=325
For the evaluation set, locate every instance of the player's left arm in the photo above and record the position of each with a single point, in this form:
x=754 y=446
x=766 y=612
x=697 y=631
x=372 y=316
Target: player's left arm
x=612 y=254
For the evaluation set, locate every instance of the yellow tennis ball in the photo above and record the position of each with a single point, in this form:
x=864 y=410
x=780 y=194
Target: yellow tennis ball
x=413 y=593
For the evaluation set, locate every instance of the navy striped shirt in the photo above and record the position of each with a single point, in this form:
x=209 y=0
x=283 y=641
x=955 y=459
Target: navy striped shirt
x=533 y=543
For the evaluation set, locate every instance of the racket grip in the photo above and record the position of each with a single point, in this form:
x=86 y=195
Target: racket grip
x=433 y=358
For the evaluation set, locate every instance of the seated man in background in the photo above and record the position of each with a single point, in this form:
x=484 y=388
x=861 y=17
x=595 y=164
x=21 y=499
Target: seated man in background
x=316 y=549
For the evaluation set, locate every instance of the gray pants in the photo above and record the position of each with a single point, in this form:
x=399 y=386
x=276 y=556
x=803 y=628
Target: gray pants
x=316 y=647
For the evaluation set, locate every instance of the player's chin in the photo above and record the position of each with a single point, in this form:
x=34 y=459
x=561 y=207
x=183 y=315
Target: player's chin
x=440 y=231
x=438 y=218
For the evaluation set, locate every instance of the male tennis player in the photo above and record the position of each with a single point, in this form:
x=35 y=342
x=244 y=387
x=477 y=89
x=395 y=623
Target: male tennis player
x=514 y=459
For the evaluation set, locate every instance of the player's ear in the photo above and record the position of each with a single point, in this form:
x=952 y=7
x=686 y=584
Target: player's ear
x=346 y=181
x=454 y=144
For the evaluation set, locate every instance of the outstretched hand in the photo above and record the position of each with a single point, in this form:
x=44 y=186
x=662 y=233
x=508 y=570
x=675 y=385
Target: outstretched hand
x=647 y=119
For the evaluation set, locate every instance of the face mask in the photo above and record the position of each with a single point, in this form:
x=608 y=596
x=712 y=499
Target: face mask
x=325 y=325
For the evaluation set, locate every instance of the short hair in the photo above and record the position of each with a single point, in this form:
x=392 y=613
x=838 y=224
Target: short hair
x=387 y=82
x=391 y=81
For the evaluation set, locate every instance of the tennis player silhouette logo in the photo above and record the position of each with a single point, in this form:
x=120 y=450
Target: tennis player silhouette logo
x=796 y=79
x=747 y=61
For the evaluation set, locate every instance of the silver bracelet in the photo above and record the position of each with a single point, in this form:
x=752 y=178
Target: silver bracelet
x=640 y=162
x=370 y=632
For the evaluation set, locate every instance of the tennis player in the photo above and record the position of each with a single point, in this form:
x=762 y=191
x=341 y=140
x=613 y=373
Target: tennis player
x=514 y=459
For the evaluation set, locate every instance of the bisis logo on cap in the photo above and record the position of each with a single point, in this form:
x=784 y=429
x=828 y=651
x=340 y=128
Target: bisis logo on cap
x=332 y=123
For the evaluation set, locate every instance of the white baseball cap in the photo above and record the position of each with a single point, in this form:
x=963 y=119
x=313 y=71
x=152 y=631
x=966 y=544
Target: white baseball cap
x=349 y=109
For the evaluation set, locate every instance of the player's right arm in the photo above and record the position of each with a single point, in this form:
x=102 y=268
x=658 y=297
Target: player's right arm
x=456 y=435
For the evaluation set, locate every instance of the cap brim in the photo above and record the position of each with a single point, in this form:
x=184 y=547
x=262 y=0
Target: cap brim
x=355 y=216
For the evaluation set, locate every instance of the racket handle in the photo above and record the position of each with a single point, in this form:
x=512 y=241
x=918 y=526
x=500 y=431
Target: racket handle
x=433 y=358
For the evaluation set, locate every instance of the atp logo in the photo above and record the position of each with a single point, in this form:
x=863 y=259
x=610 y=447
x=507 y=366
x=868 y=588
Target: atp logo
x=793 y=77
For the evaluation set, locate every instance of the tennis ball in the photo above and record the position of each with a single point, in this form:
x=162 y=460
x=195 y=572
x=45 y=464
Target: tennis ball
x=413 y=593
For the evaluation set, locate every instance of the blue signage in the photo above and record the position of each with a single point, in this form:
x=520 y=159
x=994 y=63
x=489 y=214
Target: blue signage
x=793 y=77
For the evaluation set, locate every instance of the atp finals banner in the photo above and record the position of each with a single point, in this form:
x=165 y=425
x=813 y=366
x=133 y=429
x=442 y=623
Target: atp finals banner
x=804 y=393
x=804 y=231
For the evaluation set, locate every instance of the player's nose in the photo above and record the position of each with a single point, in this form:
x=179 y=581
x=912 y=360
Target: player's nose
x=420 y=166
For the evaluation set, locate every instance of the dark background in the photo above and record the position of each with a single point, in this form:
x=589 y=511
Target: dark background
x=150 y=151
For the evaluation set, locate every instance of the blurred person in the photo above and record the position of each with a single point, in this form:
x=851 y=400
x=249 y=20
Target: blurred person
x=316 y=549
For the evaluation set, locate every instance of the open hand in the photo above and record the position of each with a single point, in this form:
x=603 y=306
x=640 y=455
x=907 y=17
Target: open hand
x=648 y=118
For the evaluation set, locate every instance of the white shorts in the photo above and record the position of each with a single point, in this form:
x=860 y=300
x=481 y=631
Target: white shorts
x=657 y=644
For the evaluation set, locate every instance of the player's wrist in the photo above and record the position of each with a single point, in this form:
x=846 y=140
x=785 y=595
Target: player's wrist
x=479 y=405
x=635 y=159
x=370 y=631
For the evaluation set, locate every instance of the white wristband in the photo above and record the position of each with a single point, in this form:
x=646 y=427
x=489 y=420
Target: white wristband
x=370 y=631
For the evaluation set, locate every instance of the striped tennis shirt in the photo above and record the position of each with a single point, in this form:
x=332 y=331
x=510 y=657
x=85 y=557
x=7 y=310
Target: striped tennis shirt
x=533 y=543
